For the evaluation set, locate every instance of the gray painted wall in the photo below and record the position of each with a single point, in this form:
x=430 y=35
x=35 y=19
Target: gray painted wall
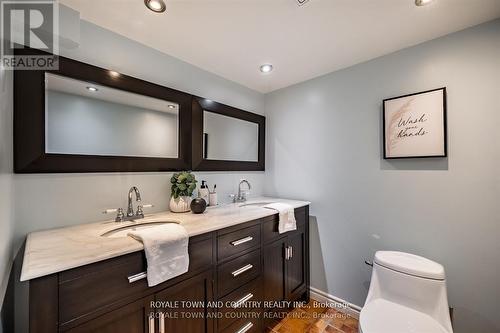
x=324 y=145
x=6 y=188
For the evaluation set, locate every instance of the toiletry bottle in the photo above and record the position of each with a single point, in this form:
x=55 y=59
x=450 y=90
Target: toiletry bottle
x=213 y=197
x=203 y=192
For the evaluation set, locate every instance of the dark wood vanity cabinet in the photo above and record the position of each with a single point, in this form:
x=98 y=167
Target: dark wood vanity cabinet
x=187 y=309
x=233 y=272
x=296 y=272
x=286 y=264
x=149 y=314
x=133 y=317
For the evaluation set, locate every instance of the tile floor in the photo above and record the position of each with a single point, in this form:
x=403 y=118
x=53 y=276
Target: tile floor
x=315 y=318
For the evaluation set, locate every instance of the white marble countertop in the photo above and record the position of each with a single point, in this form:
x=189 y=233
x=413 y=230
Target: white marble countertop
x=57 y=250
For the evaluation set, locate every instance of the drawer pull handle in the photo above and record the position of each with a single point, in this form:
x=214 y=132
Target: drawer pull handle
x=242 y=241
x=288 y=252
x=137 y=277
x=239 y=303
x=162 y=322
x=151 y=326
x=242 y=270
x=245 y=328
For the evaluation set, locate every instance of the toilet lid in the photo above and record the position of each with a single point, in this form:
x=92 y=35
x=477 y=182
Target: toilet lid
x=410 y=264
x=382 y=316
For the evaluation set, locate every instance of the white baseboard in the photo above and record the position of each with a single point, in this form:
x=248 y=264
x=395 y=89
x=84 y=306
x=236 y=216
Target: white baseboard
x=336 y=302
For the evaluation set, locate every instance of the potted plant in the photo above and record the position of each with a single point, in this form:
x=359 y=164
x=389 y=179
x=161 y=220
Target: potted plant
x=183 y=186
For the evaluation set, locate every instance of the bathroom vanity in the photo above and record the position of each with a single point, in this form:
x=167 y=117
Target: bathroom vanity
x=80 y=281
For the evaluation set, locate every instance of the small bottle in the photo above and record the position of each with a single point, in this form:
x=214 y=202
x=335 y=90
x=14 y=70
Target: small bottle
x=203 y=192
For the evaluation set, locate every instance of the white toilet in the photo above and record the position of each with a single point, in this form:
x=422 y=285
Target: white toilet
x=407 y=295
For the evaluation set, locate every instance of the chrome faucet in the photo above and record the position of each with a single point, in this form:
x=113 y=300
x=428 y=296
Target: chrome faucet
x=242 y=195
x=130 y=209
x=139 y=213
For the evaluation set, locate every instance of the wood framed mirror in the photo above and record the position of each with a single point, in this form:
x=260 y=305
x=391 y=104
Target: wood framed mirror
x=82 y=118
x=225 y=138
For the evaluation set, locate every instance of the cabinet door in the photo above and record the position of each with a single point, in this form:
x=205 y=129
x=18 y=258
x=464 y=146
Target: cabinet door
x=275 y=271
x=186 y=306
x=135 y=317
x=297 y=264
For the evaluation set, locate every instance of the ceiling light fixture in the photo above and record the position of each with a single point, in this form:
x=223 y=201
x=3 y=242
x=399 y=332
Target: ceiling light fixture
x=114 y=73
x=422 y=2
x=171 y=106
x=157 y=6
x=266 y=68
x=92 y=89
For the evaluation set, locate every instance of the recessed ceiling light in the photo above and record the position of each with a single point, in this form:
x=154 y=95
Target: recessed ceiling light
x=422 y=2
x=171 y=106
x=266 y=68
x=92 y=89
x=114 y=73
x=157 y=6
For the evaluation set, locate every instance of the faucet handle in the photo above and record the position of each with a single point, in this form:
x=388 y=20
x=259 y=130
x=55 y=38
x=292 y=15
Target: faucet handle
x=140 y=212
x=118 y=211
x=112 y=210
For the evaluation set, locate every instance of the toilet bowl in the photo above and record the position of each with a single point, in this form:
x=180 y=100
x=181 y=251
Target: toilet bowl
x=407 y=295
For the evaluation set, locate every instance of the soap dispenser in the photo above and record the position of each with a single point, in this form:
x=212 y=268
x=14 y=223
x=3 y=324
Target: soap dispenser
x=203 y=192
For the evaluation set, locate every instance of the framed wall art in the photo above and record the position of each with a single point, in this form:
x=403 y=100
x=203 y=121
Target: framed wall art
x=415 y=125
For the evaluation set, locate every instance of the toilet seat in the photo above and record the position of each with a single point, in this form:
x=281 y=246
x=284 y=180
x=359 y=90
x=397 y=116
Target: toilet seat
x=382 y=316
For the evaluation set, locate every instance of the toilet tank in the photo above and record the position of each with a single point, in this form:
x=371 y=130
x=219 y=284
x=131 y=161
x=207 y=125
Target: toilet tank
x=411 y=281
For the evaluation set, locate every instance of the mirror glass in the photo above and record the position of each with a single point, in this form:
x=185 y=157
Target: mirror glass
x=88 y=119
x=230 y=139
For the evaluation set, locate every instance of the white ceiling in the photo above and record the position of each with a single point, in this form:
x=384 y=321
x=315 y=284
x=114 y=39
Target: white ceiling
x=232 y=38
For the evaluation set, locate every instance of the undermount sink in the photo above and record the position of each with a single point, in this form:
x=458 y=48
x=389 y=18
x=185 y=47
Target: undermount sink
x=124 y=230
x=261 y=203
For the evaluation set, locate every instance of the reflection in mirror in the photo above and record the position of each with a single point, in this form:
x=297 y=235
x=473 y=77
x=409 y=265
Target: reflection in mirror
x=88 y=119
x=230 y=139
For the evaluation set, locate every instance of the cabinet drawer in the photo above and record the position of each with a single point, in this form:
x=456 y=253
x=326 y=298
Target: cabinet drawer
x=245 y=325
x=270 y=225
x=242 y=300
x=88 y=290
x=237 y=272
x=237 y=242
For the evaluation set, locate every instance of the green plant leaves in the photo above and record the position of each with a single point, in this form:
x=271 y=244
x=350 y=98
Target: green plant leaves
x=182 y=177
x=183 y=184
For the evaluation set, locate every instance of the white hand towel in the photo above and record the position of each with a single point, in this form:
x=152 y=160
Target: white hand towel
x=166 y=250
x=286 y=212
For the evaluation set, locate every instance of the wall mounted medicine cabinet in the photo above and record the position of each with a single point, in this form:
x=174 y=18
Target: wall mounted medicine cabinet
x=82 y=118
